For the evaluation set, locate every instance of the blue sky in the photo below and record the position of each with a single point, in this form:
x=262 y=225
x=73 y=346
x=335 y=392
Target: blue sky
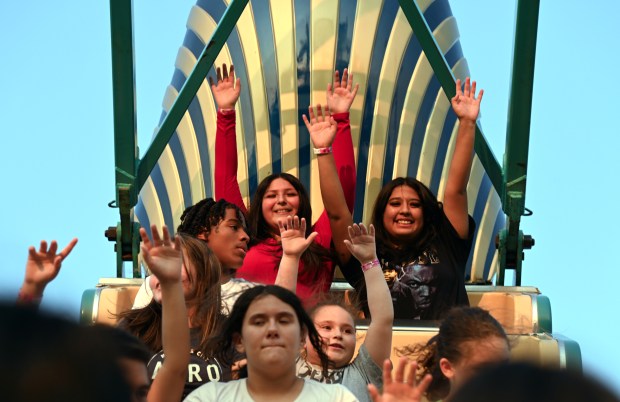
x=58 y=159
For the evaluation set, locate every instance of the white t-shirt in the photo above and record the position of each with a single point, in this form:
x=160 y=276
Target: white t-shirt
x=237 y=390
x=230 y=292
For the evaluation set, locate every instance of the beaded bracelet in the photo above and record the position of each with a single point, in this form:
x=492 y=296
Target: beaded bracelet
x=367 y=265
x=322 y=151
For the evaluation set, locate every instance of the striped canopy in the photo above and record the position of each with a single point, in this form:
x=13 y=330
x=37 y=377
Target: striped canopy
x=285 y=52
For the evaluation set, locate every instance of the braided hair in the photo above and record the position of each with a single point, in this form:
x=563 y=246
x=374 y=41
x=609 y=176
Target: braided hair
x=206 y=214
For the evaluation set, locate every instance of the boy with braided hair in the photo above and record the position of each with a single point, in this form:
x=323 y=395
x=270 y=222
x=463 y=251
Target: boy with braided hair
x=222 y=226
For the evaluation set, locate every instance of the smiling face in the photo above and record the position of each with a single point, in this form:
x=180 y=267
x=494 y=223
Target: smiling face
x=335 y=325
x=281 y=199
x=403 y=217
x=228 y=240
x=271 y=336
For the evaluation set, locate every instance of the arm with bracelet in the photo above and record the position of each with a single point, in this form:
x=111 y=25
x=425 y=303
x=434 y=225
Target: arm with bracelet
x=378 y=339
x=322 y=128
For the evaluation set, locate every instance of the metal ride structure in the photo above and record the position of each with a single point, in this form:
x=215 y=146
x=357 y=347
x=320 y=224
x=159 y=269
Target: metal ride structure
x=132 y=172
x=137 y=179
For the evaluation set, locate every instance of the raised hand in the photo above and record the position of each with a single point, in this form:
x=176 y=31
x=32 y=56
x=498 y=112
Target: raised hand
x=322 y=128
x=401 y=388
x=362 y=243
x=340 y=96
x=162 y=255
x=293 y=236
x=465 y=104
x=43 y=266
x=227 y=90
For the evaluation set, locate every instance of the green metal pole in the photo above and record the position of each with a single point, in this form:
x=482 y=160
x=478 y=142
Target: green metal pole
x=444 y=74
x=125 y=148
x=518 y=137
x=187 y=93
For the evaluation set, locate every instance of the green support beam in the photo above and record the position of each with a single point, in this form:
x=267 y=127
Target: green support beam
x=512 y=241
x=125 y=149
x=188 y=92
x=508 y=182
x=131 y=172
x=444 y=74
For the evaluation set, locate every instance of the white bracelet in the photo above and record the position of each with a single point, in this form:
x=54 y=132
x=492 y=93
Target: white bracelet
x=323 y=151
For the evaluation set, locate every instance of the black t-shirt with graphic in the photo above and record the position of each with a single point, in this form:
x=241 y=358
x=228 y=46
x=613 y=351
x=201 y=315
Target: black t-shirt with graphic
x=200 y=369
x=427 y=285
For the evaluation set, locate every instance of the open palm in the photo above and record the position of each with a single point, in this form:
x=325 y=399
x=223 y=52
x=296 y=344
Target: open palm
x=293 y=235
x=322 y=127
x=227 y=90
x=44 y=264
x=341 y=94
x=464 y=103
x=162 y=255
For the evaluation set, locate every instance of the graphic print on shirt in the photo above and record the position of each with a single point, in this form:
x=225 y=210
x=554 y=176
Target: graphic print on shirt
x=413 y=285
x=200 y=370
x=306 y=370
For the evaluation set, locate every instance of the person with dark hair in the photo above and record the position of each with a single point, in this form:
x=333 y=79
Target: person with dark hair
x=47 y=358
x=42 y=266
x=335 y=323
x=423 y=244
x=201 y=311
x=525 y=382
x=281 y=194
x=222 y=226
x=269 y=325
x=131 y=354
x=468 y=340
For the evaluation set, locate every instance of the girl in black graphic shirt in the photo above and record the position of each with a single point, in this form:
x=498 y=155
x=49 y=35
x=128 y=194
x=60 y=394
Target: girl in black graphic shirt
x=423 y=244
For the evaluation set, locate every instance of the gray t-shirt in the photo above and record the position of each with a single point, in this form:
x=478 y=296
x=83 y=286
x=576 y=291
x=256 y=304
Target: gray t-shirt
x=355 y=376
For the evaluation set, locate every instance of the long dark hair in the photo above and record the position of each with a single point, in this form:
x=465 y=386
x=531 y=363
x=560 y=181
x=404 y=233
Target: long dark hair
x=224 y=340
x=145 y=323
x=462 y=324
x=261 y=231
x=433 y=214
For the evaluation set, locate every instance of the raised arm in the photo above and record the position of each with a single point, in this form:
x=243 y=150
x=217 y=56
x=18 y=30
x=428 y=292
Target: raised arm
x=322 y=129
x=42 y=267
x=378 y=340
x=340 y=97
x=466 y=107
x=294 y=243
x=226 y=93
x=164 y=258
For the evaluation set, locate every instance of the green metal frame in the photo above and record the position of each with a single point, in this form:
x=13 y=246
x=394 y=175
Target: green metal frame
x=512 y=241
x=509 y=183
x=132 y=173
